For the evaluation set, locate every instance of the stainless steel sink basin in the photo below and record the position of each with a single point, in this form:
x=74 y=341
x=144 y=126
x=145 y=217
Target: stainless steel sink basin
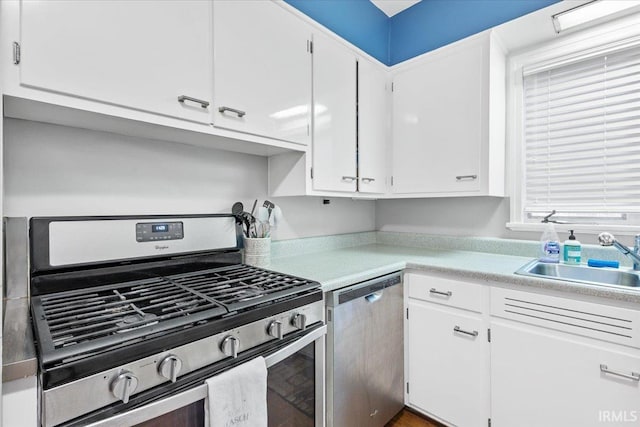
x=581 y=274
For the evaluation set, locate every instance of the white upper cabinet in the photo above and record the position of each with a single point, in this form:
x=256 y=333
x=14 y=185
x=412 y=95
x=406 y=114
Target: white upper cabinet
x=262 y=70
x=448 y=121
x=373 y=124
x=141 y=55
x=334 y=112
x=351 y=126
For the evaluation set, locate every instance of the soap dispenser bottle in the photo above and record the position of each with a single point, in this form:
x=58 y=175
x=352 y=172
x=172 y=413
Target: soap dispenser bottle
x=572 y=250
x=550 y=245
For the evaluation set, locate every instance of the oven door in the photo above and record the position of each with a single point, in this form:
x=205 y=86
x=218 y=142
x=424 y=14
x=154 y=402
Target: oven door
x=295 y=392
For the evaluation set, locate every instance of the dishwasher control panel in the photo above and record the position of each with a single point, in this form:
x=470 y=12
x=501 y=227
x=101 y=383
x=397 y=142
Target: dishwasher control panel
x=363 y=289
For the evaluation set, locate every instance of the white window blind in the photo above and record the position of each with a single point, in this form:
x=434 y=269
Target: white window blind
x=582 y=136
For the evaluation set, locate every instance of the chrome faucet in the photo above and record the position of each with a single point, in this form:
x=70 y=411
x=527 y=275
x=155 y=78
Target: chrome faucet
x=607 y=239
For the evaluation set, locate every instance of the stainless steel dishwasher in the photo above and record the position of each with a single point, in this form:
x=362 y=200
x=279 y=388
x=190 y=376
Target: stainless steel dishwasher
x=365 y=353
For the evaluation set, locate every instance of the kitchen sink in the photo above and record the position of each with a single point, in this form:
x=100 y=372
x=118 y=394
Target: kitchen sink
x=581 y=274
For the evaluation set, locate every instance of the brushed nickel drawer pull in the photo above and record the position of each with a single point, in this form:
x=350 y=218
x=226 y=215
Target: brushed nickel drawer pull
x=463 y=177
x=349 y=178
x=634 y=376
x=437 y=292
x=239 y=113
x=368 y=179
x=462 y=331
x=182 y=98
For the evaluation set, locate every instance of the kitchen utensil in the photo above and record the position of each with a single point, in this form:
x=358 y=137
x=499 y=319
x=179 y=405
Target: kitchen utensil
x=247 y=220
x=269 y=205
x=262 y=214
x=276 y=216
x=237 y=210
x=253 y=220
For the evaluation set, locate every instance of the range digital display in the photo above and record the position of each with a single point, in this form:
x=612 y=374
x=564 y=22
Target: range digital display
x=159 y=228
x=156 y=231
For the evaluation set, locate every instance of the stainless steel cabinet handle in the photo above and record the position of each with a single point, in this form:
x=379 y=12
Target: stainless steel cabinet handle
x=434 y=291
x=469 y=177
x=203 y=104
x=239 y=113
x=634 y=376
x=349 y=178
x=368 y=179
x=462 y=331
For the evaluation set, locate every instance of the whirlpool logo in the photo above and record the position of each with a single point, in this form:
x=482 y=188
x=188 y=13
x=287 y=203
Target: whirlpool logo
x=161 y=247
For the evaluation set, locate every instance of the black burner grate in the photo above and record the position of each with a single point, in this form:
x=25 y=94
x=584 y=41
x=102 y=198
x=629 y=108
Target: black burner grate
x=77 y=322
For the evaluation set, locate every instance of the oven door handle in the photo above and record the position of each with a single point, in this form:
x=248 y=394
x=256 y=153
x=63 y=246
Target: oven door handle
x=180 y=400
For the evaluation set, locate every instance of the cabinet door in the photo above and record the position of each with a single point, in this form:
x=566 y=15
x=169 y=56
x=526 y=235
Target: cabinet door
x=372 y=127
x=262 y=70
x=542 y=378
x=438 y=122
x=448 y=368
x=334 y=114
x=137 y=54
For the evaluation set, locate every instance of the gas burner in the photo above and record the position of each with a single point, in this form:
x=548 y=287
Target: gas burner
x=135 y=321
x=83 y=321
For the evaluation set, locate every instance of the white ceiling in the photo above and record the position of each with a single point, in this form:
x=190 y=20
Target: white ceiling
x=391 y=7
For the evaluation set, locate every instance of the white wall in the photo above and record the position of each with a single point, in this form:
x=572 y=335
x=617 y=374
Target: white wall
x=462 y=216
x=54 y=170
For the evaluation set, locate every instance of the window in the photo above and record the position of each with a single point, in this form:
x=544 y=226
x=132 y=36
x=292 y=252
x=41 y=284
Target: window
x=582 y=136
x=579 y=136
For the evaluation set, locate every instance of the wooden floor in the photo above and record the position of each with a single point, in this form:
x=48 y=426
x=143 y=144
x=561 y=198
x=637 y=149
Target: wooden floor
x=408 y=418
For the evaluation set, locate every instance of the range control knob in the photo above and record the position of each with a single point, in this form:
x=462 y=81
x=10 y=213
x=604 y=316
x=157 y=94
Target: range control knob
x=230 y=346
x=124 y=385
x=275 y=329
x=170 y=367
x=299 y=321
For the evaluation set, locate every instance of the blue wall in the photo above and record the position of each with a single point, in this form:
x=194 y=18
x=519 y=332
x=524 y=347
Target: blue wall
x=431 y=24
x=357 y=21
x=423 y=27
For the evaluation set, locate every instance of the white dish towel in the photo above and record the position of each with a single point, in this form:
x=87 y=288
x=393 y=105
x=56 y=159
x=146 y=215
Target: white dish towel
x=238 y=397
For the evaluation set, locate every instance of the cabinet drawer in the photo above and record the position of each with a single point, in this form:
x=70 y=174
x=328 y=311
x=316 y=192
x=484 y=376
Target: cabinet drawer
x=600 y=321
x=446 y=291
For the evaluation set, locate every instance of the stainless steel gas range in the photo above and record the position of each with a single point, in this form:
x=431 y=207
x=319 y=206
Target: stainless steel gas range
x=132 y=314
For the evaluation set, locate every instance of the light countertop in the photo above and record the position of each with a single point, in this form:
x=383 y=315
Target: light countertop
x=341 y=267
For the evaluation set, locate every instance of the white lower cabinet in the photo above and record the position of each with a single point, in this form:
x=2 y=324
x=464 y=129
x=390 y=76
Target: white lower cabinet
x=481 y=355
x=448 y=358
x=558 y=362
x=545 y=378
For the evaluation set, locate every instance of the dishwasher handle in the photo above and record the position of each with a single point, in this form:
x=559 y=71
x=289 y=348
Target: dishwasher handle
x=371 y=298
